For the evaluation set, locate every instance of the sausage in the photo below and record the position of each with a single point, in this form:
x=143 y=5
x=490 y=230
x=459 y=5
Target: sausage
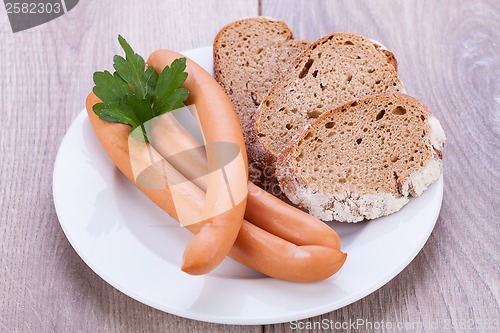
x=285 y=221
x=278 y=258
x=264 y=210
x=213 y=241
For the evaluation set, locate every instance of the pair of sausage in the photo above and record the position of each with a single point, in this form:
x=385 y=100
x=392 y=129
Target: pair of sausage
x=259 y=230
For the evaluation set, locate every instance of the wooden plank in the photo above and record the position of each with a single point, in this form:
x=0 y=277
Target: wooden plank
x=448 y=57
x=46 y=73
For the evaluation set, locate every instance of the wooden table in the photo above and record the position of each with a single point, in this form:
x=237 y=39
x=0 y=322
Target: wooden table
x=449 y=56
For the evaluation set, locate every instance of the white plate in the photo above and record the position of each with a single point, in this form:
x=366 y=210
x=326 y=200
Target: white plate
x=137 y=248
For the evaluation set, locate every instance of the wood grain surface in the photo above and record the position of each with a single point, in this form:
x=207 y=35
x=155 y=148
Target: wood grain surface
x=449 y=56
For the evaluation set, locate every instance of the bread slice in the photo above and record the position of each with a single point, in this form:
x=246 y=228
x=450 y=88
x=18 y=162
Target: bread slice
x=250 y=56
x=333 y=70
x=362 y=160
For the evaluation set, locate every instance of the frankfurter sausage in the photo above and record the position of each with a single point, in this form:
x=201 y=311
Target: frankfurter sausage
x=278 y=258
x=211 y=243
x=285 y=221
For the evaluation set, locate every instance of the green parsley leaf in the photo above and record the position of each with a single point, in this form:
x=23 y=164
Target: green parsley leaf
x=110 y=88
x=151 y=79
x=168 y=96
x=113 y=113
x=133 y=96
x=131 y=69
x=141 y=108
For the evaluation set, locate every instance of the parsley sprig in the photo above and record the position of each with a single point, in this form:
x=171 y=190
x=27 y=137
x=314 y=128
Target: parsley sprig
x=132 y=95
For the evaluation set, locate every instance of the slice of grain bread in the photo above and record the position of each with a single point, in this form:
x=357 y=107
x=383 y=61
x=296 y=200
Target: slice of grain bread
x=250 y=56
x=333 y=70
x=362 y=160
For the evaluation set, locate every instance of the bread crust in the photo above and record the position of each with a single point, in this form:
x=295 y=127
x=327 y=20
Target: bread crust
x=391 y=58
x=355 y=207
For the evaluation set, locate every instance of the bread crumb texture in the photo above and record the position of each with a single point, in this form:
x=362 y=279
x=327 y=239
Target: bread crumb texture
x=362 y=160
x=250 y=56
x=334 y=70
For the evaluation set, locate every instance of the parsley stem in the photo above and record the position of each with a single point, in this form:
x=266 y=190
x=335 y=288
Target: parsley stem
x=144 y=134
